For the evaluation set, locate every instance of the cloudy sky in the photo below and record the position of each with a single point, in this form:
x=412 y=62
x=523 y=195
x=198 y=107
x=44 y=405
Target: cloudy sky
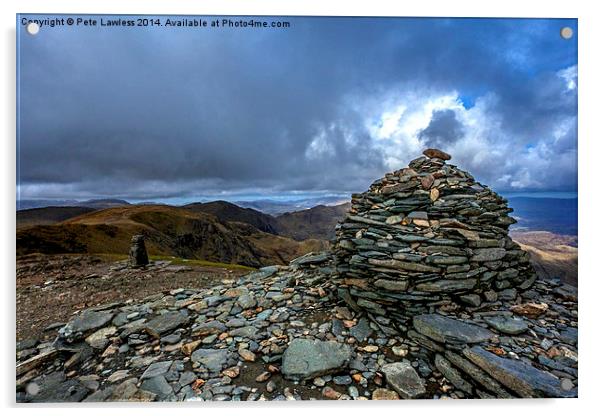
x=323 y=107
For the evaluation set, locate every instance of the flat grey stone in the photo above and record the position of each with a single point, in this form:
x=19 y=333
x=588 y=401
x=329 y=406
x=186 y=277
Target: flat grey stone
x=100 y=338
x=443 y=329
x=447 y=285
x=477 y=374
x=55 y=388
x=213 y=360
x=247 y=301
x=171 y=339
x=236 y=323
x=86 y=321
x=488 y=254
x=507 y=324
x=305 y=358
x=472 y=299
x=166 y=322
x=245 y=332
x=208 y=328
x=402 y=378
x=451 y=374
x=156 y=369
x=157 y=385
x=362 y=330
x=518 y=376
x=569 y=335
x=311 y=258
x=186 y=378
x=392 y=285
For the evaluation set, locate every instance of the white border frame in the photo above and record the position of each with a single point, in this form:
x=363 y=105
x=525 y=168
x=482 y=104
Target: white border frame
x=590 y=150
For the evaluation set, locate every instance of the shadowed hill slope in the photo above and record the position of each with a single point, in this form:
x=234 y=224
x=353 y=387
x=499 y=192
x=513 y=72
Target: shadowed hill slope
x=226 y=211
x=316 y=222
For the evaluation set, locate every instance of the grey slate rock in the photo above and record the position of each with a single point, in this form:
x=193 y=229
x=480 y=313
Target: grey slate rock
x=247 y=301
x=569 y=336
x=447 y=285
x=362 y=330
x=472 y=299
x=211 y=327
x=506 y=324
x=156 y=369
x=159 y=386
x=305 y=358
x=402 y=378
x=214 y=360
x=245 y=332
x=443 y=329
x=86 y=321
x=451 y=374
x=518 y=376
x=186 y=378
x=165 y=323
x=488 y=254
x=477 y=374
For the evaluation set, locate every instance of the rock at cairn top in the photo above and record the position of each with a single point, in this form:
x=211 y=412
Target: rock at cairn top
x=436 y=153
x=138 y=255
x=425 y=235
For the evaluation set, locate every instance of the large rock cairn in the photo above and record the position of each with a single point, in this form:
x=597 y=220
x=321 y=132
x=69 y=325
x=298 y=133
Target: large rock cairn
x=424 y=237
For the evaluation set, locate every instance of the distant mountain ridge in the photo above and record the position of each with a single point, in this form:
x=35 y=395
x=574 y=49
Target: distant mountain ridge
x=25 y=204
x=169 y=230
x=48 y=215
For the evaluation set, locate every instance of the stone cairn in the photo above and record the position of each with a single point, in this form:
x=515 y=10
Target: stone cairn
x=138 y=255
x=425 y=237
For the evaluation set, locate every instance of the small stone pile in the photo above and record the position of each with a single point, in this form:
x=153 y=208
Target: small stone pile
x=427 y=236
x=138 y=255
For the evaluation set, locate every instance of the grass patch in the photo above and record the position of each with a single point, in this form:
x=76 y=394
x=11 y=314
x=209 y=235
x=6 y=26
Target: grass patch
x=205 y=263
x=179 y=261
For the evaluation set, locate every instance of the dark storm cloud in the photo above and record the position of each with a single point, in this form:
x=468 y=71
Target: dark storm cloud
x=443 y=129
x=154 y=112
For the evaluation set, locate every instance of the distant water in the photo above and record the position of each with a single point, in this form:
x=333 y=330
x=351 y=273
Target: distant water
x=539 y=213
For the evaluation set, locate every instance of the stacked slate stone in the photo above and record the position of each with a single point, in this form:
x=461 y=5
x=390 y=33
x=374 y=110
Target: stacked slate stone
x=425 y=237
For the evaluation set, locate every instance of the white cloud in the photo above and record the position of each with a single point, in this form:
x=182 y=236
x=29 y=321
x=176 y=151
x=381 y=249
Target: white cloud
x=570 y=76
x=504 y=159
x=320 y=145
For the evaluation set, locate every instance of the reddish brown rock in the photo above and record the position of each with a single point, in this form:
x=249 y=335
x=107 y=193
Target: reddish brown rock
x=530 y=310
x=232 y=372
x=436 y=153
x=330 y=393
x=263 y=377
x=384 y=394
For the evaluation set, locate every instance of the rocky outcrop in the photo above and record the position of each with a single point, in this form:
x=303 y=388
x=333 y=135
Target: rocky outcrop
x=424 y=236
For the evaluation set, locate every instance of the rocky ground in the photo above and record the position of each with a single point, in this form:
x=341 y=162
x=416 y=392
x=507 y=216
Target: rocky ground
x=282 y=333
x=50 y=288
